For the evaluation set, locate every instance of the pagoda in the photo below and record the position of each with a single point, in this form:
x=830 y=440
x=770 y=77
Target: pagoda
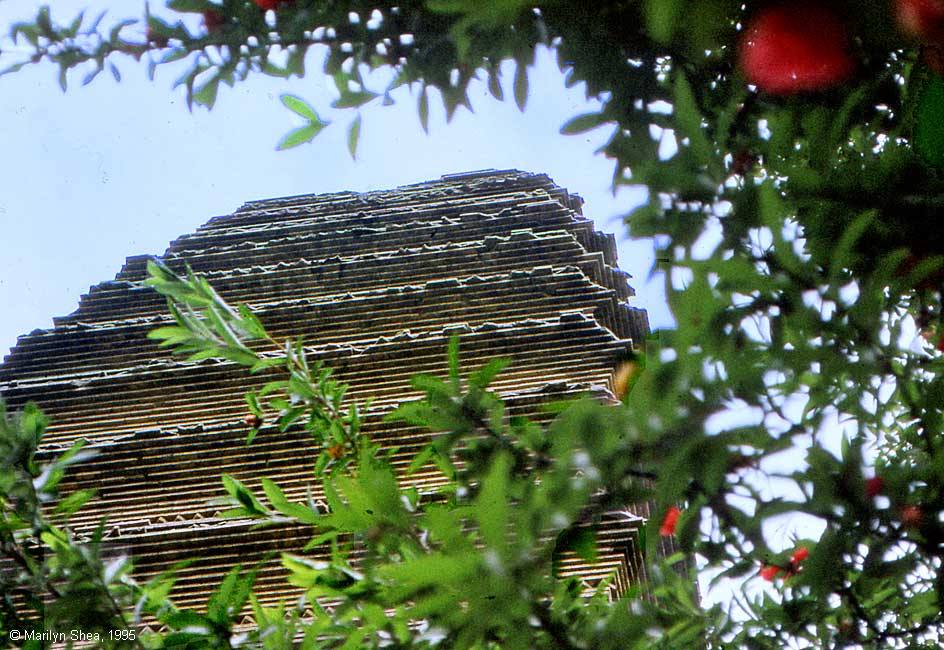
x=376 y=283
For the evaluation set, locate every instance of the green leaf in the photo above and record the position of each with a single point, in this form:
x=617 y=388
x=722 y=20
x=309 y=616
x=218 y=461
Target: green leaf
x=263 y=364
x=662 y=18
x=482 y=377
x=421 y=459
x=688 y=525
x=444 y=464
x=427 y=570
x=206 y=94
x=843 y=253
x=170 y=335
x=583 y=123
x=492 y=506
x=819 y=569
x=243 y=496
x=430 y=384
x=353 y=135
x=521 y=85
x=250 y=323
x=300 y=136
x=194 y=623
x=453 y=356
x=581 y=540
x=690 y=120
x=929 y=123
x=423 y=109
x=319 y=540
x=193 y=6
x=300 y=107
x=33 y=423
x=74 y=502
x=252 y=401
x=494 y=85
x=218 y=604
x=354 y=99
x=279 y=501
x=75 y=454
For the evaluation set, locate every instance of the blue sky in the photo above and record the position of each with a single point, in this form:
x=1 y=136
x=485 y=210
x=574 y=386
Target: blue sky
x=115 y=169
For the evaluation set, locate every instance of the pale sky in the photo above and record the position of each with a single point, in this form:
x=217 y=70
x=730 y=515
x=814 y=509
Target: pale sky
x=116 y=169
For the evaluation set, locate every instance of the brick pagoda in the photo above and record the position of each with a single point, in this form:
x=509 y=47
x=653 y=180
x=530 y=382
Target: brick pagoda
x=376 y=283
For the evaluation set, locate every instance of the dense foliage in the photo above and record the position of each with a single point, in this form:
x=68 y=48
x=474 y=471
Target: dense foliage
x=792 y=152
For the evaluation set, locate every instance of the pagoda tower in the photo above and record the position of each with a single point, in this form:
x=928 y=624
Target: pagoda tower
x=376 y=283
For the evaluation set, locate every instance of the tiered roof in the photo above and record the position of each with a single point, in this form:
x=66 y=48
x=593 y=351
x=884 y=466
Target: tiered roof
x=376 y=283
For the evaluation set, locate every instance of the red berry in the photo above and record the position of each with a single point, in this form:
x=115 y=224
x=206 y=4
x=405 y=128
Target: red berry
x=795 y=47
x=253 y=420
x=213 y=21
x=669 y=521
x=336 y=451
x=874 y=486
x=921 y=19
x=799 y=555
x=911 y=516
x=769 y=572
x=265 y=5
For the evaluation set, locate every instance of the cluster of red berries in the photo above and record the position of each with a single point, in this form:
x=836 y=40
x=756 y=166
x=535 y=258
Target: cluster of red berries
x=911 y=516
x=802 y=46
x=670 y=521
x=770 y=571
